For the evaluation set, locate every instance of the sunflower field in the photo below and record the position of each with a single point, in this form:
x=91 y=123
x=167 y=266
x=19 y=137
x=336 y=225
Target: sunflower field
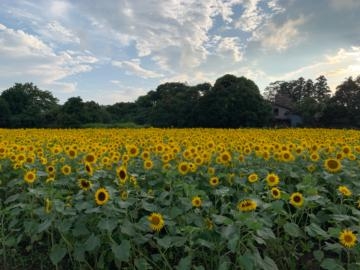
x=179 y=199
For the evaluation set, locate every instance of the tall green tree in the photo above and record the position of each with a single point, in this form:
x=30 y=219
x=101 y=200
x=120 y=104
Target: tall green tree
x=344 y=107
x=233 y=102
x=28 y=105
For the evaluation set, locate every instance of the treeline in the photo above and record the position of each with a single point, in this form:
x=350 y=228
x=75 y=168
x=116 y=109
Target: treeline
x=230 y=103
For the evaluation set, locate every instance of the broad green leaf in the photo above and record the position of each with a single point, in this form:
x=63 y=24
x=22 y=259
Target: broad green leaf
x=292 y=229
x=142 y=264
x=331 y=264
x=184 y=264
x=108 y=224
x=315 y=230
x=92 y=243
x=266 y=233
x=122 y=251
x=246 y=261
x=44 y=225
x=57 y=253
x=319 y=255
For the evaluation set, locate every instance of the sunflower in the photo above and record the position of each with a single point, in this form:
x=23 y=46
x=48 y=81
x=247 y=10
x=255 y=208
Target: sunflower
x=84 y=184
x=89 y=169
x=347 y=238
x=311 y=168
x=124 y=195
x=145 y=155
x=296 y=199
x=214 y=181
x=122 y=174
x=101 y=196
x=72 y=153
x=286 y=156
x=132 y=150
x=66 y=170
x=211 y=170
x=272 y=179
x=48 y=205
x=148 y=164
x=344 y=190
x=275 y=193
x=209 y=224
x=252 y=178
x=332 y=165
x=90 y=158
x=196 y=201
x=247 y=205
x=156 y=221
x=314 y=156
x=50 y=169
x=30 y=177
x=183 y=168
x=225 y=157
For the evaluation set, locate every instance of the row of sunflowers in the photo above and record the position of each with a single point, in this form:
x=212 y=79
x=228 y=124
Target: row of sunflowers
x=180 y=198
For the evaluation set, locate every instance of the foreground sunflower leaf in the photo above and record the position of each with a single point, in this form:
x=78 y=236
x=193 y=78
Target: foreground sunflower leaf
x=57 y=253
x=122 y=251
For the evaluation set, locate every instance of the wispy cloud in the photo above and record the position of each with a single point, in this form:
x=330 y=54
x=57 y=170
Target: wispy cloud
x=133 y=67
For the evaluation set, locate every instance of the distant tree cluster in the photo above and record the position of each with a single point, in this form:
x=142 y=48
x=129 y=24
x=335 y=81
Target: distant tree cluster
x=230 y=103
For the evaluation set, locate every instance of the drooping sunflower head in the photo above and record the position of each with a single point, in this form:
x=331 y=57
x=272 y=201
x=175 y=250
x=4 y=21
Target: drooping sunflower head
x=122 y=174
x=196 y=201
x=124 y=195
x=30 y=176
x=101 y=196
x=332 y=165
x=84 y=184
x=214 y=181
x=89 y=169
x=347 y=238
x=247 y=205
x=345 y=191
x=272 y=179
x=296 y=199
x=275 y=193
x=252 y=178
x=156 y=221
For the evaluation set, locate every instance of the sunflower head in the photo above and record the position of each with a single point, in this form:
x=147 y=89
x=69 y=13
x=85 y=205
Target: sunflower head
x=66 y=170
x=332 y=165
x=122 y=174
x=156 y=221
x=84 y=184
x=252 y=178
x=275 y=193
x=272 y=179
x=148 y=164
x=247 y=205
x=30 y=176
x=347 y=238
x=183 y=168
x=345 y=191
x=196 y=201
x=214 y=181
x=296 y=199
x=101 y=196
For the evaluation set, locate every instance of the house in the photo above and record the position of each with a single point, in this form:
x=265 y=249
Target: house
x=284 y=113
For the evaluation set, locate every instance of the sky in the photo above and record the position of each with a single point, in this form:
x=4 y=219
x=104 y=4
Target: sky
x=117 y=50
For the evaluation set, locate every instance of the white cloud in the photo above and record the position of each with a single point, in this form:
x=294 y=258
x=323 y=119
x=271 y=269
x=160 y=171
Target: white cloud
x=280 y=37
x=230 y=46
x=122 y=94
x=335 y=67
x=58 y=33
x=133 y=67
x=28 y=58
x=344 y=4
x=252 y=17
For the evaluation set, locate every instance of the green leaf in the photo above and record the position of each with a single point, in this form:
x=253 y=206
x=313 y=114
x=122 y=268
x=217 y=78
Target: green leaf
x=319 y=255
x=149 y=206
x=184 y=264
x=315 y=230
x=122 y=251
x=331 y=264
x=43 y=226
x=57 y=253
x=246 y=261
x=292 y=229
x=222 y=219
x=142 y=264
x=266 y=233
x=164 y=242
x=108 y=224
x=12 y=198
x=79 y=252
x=269 y=264
x=92 y=243
x=128 y=228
